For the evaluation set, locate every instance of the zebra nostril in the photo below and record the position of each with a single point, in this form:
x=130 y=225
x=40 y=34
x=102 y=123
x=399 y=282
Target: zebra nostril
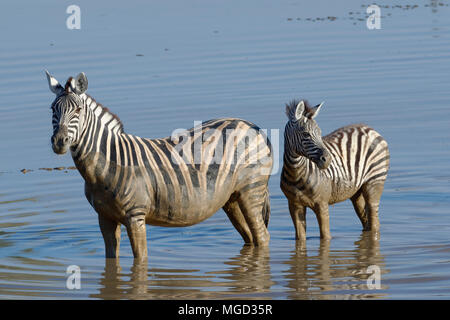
x=322 y=158
x=66 y=139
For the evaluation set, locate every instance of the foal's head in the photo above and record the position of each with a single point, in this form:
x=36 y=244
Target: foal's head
x=302 y=134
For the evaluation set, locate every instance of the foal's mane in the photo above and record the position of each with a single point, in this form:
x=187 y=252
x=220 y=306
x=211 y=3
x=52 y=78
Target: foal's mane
x=291 y=107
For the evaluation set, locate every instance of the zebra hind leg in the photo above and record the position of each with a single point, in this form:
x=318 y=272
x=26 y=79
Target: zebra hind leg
x=236 y=217
x=253 y=202
x=359 y=204
x=372 y=194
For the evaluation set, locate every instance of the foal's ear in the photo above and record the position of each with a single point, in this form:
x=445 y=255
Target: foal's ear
x=316 y=110
x=81 y=84
x=299 y=110
x=53 y=84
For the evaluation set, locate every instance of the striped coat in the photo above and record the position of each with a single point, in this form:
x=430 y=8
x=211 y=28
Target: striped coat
x=175 y=181
x=350 y=163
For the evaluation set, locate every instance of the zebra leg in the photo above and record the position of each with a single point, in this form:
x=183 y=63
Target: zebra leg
x=111 y=235
x=252 y=204
x=323 y=218
x=372 y=194
x=359 y=204
x=137 y=234
x=236 y=217
x=298 y=215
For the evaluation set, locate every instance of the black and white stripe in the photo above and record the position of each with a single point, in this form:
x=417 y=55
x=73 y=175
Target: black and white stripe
x=350 y=163
x=129 y=176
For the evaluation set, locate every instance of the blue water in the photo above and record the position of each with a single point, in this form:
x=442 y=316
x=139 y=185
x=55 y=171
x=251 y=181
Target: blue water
x=161 y=66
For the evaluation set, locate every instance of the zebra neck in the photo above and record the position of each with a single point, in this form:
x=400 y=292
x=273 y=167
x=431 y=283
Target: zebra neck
x=102 y=114
x=295 y=162
x=101 y=140
x=293 y=159
x=298 y=168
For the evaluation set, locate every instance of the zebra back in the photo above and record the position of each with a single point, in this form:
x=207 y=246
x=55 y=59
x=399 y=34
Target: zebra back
x=359 y=154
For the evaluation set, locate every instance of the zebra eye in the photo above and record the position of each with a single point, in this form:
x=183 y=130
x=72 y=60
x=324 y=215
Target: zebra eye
x=306 y=135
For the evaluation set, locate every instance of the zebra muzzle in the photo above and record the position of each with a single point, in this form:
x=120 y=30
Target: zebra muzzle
x=60 y=141
x=324 y=160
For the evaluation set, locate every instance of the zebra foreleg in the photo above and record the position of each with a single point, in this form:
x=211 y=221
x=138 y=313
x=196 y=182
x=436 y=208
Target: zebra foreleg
x=298 y=215
x=137 y=234
x=323 y=218
x=111 y=235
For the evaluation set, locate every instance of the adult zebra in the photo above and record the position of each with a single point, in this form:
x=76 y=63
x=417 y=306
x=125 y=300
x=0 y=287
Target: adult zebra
x=351 y=162
x=137 y=181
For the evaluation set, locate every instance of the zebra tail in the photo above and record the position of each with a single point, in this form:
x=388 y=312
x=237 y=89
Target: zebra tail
x=266 y=209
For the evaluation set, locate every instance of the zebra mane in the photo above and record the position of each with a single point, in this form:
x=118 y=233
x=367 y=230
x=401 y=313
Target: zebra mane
x=98 y=108
x=291 y=107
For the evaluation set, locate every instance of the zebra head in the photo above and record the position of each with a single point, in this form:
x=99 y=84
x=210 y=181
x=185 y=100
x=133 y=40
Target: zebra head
x=302 y=134
x=68 y=111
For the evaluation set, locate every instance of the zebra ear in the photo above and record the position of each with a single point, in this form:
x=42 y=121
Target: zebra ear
x=81 y=84
x=316 y=110
x=53 y=84
x=299 y=110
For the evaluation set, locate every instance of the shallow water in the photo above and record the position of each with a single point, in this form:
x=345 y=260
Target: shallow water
x=161 y=66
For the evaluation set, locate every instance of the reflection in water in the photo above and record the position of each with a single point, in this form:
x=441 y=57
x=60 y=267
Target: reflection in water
x=249 y=273
x=113 y=283
x=332 y=274
x=31 y=277
x=144 y=283
x=323 y=274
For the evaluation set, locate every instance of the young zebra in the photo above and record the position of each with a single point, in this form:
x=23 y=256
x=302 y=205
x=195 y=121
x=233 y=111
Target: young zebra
x=136 y=181
x=351 y=162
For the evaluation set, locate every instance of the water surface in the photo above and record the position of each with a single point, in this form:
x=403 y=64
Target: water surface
x=161 y=66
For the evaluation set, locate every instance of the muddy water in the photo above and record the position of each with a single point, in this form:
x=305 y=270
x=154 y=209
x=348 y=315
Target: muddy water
x=162 y=66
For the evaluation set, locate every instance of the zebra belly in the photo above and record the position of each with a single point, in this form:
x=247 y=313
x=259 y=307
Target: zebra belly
x=188 y=210
x=341 y=191
x=167 y=213
x=302 y=195
x=329 y=192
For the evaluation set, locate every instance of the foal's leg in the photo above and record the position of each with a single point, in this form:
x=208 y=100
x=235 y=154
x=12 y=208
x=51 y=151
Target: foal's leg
x=321 y=211
x=372 y=194
x=359 y=204
x=111 y=235
x=298 y=215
